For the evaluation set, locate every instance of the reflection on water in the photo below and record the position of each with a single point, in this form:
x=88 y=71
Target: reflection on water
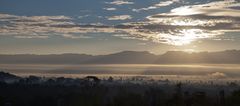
x=189 y=72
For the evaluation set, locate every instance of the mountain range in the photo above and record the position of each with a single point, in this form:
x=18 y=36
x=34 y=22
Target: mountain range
x=127 y=57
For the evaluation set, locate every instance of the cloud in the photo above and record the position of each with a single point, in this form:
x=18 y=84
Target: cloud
x=83 y=16
x=120 y=17
x=155 y=6
x=75 y=36
x=190 y=23
x=217 y=8
x=124 y=36
x=33 y=26
x=166 y=3
x=110 y=9
x=186 y=24
x=44 y=27
x=217 y=75
x=180 y=26
x=119 y=2
x=31 y=37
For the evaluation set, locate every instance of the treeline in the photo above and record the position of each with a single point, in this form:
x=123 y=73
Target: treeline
x=92 y=91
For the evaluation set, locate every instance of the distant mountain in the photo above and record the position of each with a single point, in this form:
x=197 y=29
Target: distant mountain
x=179 y=57
x=45 y=59
x=127 y=57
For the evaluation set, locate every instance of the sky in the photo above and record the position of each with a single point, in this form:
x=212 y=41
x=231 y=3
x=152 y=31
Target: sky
x=109 y=26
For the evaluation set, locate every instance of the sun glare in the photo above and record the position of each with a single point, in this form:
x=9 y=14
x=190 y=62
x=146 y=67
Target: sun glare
x=184 y=36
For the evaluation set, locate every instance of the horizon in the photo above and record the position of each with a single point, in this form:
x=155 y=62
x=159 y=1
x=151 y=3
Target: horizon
x=188 y=52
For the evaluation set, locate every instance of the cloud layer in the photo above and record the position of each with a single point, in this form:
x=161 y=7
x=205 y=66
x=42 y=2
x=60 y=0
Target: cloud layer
x=180 y=26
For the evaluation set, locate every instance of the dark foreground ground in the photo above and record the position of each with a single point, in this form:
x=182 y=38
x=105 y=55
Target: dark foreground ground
x=92 y=91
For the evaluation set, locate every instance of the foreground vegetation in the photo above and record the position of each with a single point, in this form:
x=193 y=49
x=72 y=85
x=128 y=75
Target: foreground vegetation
x=92 y=91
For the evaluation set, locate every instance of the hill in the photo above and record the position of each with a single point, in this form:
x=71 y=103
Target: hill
x=127 y=57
